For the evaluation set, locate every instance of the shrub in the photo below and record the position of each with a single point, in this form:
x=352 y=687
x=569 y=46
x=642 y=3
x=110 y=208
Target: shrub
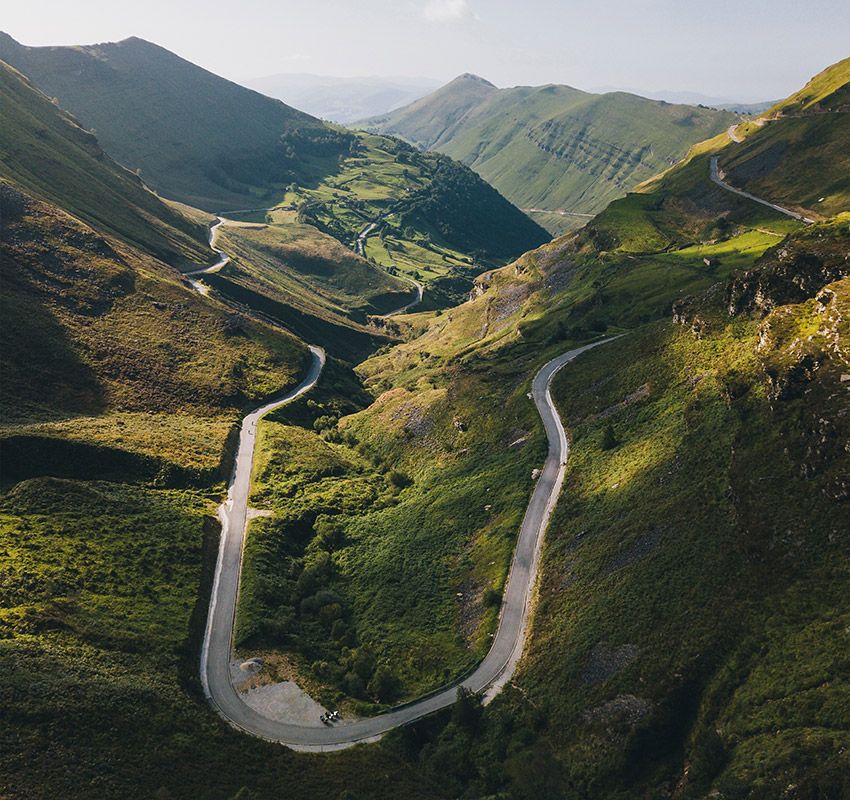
x=385 y=685
x=492 y=598
x=609 y=438
x=399 y=479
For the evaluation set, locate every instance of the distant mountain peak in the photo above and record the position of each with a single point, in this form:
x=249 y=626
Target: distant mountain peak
x=471 y=77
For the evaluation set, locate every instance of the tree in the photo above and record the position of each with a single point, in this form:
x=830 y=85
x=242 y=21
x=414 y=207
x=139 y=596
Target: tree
x=329 y=536
x=384 y=686
x=609 y=438
x=467 y=710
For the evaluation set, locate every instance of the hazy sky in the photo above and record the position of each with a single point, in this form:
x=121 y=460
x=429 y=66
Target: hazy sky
x=742 y=49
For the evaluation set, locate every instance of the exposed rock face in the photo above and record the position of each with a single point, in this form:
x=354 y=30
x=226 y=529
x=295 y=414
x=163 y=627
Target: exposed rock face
x=605 y=661
x=618 y=717
x=692 y=311
x=481 y=285
x=792 y=273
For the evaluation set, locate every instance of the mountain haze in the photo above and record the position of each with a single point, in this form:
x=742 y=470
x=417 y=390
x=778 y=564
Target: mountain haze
x=343 y=100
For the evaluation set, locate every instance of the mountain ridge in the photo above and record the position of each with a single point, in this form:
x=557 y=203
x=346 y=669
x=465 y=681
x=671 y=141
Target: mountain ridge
x=552 y=148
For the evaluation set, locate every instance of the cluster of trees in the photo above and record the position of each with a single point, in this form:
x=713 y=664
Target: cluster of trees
x=298 y=143
x=469 y=213
x=310 y=616
x=284 y=161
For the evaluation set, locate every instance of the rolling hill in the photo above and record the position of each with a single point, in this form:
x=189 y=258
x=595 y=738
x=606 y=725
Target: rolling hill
x=552 y=148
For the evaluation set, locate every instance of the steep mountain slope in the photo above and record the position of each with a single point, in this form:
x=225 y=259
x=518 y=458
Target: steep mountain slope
x=343 y=99
x=95 y=321
x=201 y=139
x=435 y=118
x=689 y=631
x=46 y=152
x=799 y=153
x=553 y=147
x=121 y=390
x=195 y=137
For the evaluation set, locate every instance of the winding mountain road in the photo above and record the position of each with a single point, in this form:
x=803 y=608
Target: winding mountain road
x=420 y=290
x=494 y=671
x=223 y=261
x=360 y=244
x=718 y=177
x=360 y=241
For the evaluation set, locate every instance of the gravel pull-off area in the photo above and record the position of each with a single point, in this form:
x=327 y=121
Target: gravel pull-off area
x=285 y=701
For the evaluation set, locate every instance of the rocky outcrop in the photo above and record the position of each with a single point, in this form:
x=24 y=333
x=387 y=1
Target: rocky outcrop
x=791 y=273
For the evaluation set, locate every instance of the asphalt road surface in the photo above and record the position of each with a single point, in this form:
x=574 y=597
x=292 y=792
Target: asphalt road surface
x=420 y=290
x=718 y=179
x=494 y=671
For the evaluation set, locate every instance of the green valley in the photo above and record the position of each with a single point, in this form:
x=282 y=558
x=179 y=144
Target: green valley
x=680 y=431
x=279 y=433
x=554 y=149
x=433 y=216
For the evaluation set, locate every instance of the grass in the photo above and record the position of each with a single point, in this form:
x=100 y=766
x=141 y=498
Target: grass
x=692 y=600
x=206 y=141
x=100 y=623
x=433 y=536
x=427 y=207
x=305 y=266
x=692 y=608
x=553 y=147
x=699 y=503
x=813 y=180
x=46 y=152
x=120 y=331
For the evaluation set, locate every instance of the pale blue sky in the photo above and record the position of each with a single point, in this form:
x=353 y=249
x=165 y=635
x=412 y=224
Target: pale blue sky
x=743 y=49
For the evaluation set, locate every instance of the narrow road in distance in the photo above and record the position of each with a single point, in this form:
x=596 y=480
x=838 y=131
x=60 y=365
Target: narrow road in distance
x=223 y=261
x=488 y=678
x=420 y=290
x=718 y=177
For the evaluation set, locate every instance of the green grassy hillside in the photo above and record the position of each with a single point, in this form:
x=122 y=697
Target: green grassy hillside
x=202 y=140
x=553 y=147
x=315 y=267
x=433 y=218
x=798 y=154
x=688 y=631
x=436 y=117
x=121 y=390
x=46 y=152
x=100 y=336
x=308 y=282
x=691 y=620
x=195 y=137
